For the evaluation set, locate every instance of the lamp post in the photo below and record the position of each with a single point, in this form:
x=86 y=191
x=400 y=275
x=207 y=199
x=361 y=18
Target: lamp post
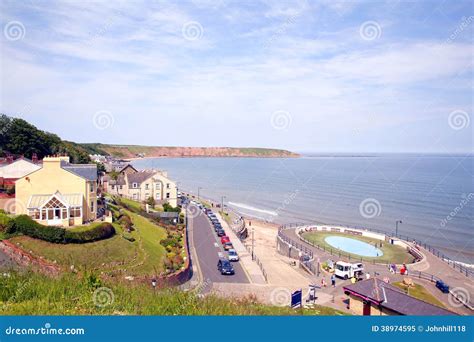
x=253 y=242
x=396 y=227
x=222 y=204
x=199 y=189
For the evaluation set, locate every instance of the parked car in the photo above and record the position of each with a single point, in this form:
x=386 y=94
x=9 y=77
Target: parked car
x=347 y=270
x=221 y=232
x=442 y=286
x=233 y=256
x=225 y=239
x=224 y=266
x=228 y=246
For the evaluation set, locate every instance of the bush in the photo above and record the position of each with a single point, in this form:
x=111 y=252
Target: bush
x=26 y=225
x=5 y=221
x=169 y=208
x=126 y=222
x=102 y=231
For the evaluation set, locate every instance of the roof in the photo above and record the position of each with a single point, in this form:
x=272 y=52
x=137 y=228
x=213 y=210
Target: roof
x=392 y=298
x=168 y=214
x=86 y=171
x=139 y=177
x=120 y=180
x=70 y=200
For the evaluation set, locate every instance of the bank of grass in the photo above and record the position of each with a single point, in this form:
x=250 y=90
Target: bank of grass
x=418 y=291
x=34 y=294
x=143 y=256
x=391 y=253
x=131 y=203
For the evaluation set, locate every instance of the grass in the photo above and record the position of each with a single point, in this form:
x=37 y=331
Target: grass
x=140 y=257
x=130 y=203
x=71 y=294
x=391 y=253
x=418 y=291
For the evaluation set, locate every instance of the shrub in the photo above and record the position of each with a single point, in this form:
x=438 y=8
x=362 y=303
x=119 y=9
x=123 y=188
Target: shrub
x=169 y=208
x=5 y=221
x=27 y=226
x=99 y=232
x=151 y=202
x=126 y=222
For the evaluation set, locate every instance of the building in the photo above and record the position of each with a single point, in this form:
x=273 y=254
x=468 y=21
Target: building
x=141 y=185
x=59 y=193
x=11 y=170
x=378 y=298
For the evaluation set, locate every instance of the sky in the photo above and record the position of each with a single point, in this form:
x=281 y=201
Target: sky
x=308 y=76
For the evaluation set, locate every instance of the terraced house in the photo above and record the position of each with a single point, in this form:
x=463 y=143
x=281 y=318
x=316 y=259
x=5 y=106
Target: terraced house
x=59 y=193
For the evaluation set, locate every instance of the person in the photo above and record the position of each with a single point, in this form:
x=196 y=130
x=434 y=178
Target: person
x=367 y=275
x=406 y=269
x=353 y=279
x=323 y=282
x=333 y=280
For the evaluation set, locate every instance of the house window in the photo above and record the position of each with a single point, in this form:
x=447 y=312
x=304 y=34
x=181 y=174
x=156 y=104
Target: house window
x=167 y=185
x=92 y=206
x=135 y=185
x=135 y=196
x=113 y=187
x=157 y=185
x=167 y=195
x=121 y=187
x=158 y=196
x=147 y=195
x=75 y=212
x=147 y=186
x=92 y=187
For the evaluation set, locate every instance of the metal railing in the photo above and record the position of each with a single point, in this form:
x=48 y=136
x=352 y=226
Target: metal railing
x=469 y=272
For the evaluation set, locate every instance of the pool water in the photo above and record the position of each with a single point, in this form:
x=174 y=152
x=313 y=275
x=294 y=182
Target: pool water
x=353 y=246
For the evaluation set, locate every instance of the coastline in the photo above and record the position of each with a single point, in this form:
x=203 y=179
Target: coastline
x=197 y=157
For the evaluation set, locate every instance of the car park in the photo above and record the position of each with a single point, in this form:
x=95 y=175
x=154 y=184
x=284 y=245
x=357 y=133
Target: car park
x=225 y=239
x=228 y=246
x=224 y=266
x=232 y=254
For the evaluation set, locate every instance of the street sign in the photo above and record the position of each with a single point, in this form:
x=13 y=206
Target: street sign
x=296 y=299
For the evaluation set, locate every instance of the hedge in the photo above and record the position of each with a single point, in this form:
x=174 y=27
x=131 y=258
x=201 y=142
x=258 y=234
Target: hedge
x=27 y=226
x=5 y=222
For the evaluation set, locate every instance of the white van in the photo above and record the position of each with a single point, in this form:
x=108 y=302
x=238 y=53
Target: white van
x=347 y=270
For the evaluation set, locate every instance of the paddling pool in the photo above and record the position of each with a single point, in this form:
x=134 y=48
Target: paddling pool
x=353 y=246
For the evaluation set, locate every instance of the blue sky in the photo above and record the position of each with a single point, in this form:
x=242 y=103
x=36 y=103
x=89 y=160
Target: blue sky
x=323 y=76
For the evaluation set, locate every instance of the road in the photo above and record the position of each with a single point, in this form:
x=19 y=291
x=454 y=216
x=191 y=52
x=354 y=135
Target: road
x=207 y=246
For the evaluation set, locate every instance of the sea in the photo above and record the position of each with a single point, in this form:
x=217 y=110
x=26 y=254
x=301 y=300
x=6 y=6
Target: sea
x=432 y=195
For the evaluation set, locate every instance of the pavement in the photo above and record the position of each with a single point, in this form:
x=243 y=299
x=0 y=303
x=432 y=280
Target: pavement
x=206 y=246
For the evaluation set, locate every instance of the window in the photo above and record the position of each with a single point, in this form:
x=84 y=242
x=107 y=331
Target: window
x=157 y=185
x=121 y=187
x=167 y=195
x=91 y=187
x=75 y=212
x=135 y=185
x=135 y=196
x=92 y=206
x=167 y=185
x=158 y=196
x=147 y=195
x=147 y=186
x=113 y=187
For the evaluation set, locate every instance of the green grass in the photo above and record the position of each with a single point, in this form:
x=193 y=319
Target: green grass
x=391 y=253
x=418 y=291
x=34 y=294
x=115 y=255
x=132 y=204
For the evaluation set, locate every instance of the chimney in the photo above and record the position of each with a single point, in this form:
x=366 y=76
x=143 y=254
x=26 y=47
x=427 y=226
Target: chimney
x=34 y=158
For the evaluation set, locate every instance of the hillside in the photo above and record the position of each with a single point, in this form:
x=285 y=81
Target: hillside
x=131 y=151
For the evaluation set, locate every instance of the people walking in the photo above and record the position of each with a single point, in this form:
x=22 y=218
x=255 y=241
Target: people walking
x=333 y=280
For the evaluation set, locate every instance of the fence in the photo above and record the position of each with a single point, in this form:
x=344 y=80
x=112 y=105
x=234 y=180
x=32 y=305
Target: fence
x=469 y=272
